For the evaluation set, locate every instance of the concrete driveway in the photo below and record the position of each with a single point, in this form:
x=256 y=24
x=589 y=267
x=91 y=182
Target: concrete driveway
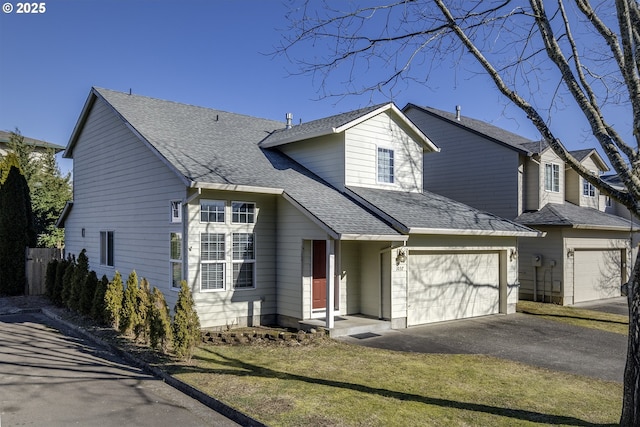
x=519 y=337
x=47 y=378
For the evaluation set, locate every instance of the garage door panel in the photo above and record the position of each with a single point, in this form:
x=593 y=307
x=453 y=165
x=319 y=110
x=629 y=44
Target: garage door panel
x=452 y=286
x=597 y=274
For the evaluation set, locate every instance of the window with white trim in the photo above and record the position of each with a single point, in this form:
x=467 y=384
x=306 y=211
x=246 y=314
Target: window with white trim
x=243 y=212
x=212 y=261
x=552 y=177
x=588 y=190
x=176 y=211
x=106 y=248
x=385 y=165
x=212 y=211
x=243 y=260
x=175 y=259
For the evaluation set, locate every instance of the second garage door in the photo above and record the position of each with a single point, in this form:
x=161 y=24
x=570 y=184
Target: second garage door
x=448 y=286
x=597 y=274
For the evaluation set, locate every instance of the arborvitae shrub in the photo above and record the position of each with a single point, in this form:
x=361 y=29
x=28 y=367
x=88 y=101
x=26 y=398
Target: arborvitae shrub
x=88 y=293
x=50 y=278
x=58 y=283
x=67 y=281
x=113 y=301
x=97 y=306
x=78 y=282
x=143 y=303
x=128 y=314
x=186 y=324
x=160 y=333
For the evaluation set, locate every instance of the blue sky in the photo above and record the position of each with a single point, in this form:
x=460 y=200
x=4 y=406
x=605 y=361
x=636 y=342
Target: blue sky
x=207 y=53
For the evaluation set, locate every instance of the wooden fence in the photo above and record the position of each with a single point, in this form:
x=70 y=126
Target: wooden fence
x=36 y=268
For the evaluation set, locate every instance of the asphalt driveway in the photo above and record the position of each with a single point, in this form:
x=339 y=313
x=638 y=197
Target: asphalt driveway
x=54 y=379
x=519 y=337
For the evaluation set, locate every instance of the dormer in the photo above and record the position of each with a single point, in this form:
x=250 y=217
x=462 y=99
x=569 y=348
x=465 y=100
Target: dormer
x=374 y=147
x=578 y=190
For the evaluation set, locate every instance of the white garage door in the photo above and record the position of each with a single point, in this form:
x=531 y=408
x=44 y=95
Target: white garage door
x=597 y=274
x=448 y=286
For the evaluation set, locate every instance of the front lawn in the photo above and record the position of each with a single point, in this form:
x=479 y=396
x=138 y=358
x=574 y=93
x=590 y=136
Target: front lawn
x=577 y=316
x=337 y=384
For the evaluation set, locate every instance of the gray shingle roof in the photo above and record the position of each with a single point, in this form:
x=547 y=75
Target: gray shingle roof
x=5 y=138
x=495 y=133
x=570 y=215
x=432 y=211
x=218 y=147
x=316 y=127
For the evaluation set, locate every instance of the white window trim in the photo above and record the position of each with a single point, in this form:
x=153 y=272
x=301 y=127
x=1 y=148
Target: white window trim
x=588 y=188
x=106 y=248
x=173 y=261
x=222 y=262
x=173 y=218
x=553 y=166
x=378 y=181
x=244 y=261
x=255 y=212
x=225 y=213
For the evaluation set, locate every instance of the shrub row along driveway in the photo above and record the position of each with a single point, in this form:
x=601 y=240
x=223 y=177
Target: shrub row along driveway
x=519 y=337
x=47 y=378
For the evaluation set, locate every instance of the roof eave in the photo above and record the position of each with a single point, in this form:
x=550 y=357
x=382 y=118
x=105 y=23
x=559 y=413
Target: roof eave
x=375 y=237
x=235 y=187
x=63 y=215
x=471 y=232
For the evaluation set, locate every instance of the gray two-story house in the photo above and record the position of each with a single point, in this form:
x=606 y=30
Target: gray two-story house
x=586 y=252
x=271 y=223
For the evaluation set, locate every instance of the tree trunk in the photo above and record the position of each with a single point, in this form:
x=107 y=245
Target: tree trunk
x=631 y=399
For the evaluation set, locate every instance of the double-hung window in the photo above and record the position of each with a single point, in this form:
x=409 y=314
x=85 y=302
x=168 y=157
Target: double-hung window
x=176 y=259
x=588 y=190
x=212 y=211
x=385 y=165
x=243 y=212
x=212 y=261
x=106 y=248
x=552 y=177
x=176 y=211
x=244 y=260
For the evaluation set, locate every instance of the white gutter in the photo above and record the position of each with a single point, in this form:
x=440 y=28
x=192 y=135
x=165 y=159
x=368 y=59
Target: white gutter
x=235 y=187
x=454 y=232
x=375 y=237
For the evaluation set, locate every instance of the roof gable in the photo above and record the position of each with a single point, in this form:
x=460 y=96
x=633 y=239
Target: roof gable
x=340 y=123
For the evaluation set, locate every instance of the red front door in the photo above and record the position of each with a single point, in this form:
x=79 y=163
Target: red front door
x=319 y=273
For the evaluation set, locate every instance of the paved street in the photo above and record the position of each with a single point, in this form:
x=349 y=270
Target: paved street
x=47 y=378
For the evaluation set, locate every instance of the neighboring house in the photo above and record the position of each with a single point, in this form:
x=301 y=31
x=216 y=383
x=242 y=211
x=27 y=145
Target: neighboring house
x=277 y=224
x=586 y=252
x=40 y=147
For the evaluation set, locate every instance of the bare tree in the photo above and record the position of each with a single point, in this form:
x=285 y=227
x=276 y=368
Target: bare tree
x=543 y=56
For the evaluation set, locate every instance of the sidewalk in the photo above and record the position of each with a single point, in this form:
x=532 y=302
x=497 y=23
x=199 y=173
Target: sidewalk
x=40 y=304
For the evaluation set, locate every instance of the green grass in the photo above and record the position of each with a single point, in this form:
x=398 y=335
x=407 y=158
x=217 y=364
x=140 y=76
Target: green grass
x=577 y=316
x=338 y=384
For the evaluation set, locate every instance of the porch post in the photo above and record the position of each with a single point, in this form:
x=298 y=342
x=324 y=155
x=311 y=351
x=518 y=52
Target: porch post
x=331 y=267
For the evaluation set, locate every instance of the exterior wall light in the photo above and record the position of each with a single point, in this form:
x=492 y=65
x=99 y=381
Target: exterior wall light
x=401 y=257
x=570 y=252
x=513 y=254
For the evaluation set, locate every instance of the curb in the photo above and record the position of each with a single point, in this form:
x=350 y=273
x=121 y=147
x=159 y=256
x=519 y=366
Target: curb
x=181 y=386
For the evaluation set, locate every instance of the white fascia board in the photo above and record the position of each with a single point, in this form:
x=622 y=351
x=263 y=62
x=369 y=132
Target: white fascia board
x=311 y=217
x=497 y=233
x=375 y=237
x=630 y=228
x=235 y=187
x=283 y=141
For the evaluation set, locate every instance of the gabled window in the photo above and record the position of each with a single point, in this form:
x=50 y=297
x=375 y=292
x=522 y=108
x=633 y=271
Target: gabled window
x=244 y=260
x=552 y=177
x=212 y=261
x=106 y=248
x=175 y=259
x=385 y=165
x=176 y=211
x=588 y=190
x=243 y=213
x=212 y=210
